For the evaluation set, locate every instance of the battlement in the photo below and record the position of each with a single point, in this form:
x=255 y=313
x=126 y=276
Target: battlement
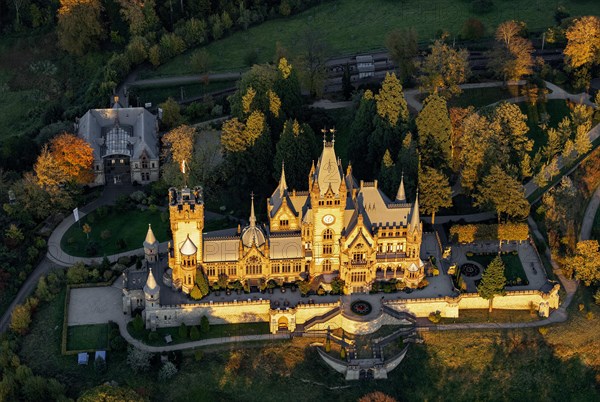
x=186 y=196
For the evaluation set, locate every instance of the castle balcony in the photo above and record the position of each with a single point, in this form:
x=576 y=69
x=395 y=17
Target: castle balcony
x=359 y=262
x=390 y=257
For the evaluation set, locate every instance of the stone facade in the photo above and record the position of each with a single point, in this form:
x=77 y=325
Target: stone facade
x=339 y=228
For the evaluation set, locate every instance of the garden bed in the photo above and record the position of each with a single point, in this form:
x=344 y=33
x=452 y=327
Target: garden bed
x=512 y=263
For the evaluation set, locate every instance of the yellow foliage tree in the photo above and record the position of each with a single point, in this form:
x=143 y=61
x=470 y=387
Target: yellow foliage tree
x=232 y=136
x=390 y=101
x=68 y=158
x=586 y=262
x=255 y=125
x=274 y=103
x=583 y=41
x=285 y=68
x=79 y=27
x=247 y=100
x=179 y=144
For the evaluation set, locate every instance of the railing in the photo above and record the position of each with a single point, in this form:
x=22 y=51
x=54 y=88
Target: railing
x=319 y=319
x=390 y=256
x=358 y=262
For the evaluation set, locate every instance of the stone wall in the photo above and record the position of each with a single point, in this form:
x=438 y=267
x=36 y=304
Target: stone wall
x=450 y=306
x=217 y=313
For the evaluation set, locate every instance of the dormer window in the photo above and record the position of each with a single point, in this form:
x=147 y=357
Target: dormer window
x=284 y=223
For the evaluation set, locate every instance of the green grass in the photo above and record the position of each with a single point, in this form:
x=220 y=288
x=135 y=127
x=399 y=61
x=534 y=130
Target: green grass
x=82 y=337
x=480 y=97
x=130 y=226
x=158 y=94
x=512 y=264
x=216 y=331
x=557 y=109
x=15 y=107
x=349 y=27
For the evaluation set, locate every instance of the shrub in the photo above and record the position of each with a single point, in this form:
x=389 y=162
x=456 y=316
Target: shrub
x=121 y=244
x=320 y=291
x=153 y=336
x=21 y=319
x=100 y=365
x=118 y=343
x=543 y=330
x=343 y=353
x=204 y=324
x=107 y=275
x=78 y=273
x=422 y=284
x=91 y=249
x=435 y=317
x=198 y=355
x=589 y=315
x=328 y=345
x=251 y=57
x=138 y=323
x=183 y=331
x=167 y=371
x=196 y=294
x=194 y=333
x=597 y=297
x=138 y=360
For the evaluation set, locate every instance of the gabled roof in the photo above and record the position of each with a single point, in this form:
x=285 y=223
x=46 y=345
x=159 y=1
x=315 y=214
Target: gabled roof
x=328 y=173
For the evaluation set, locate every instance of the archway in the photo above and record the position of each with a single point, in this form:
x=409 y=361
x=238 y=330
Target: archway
x=282 y=324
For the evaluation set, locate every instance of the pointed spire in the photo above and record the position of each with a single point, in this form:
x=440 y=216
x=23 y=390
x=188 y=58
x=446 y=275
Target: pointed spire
x=151 y=286
x=252 y=216
x=282 y=183
x=150 y=238
x=401 y=195
x=415 y=219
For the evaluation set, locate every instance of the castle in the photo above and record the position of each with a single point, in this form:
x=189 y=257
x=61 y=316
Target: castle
x=339 y=228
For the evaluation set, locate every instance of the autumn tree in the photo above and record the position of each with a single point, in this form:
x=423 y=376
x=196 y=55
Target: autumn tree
x=178 y=144
x=376 y=396
x=474 y=143
x=111 y=393
x=20 y=319
x=237 y=136
x=403 y=47
x=79 y=26
x=67 y=159
x=200 y=61
x=503 y=193
x=435 y=132
x=457 y=116
x=140 y=15
x=583 y=42
x=511 y=58
x=585 y=263
x=390 y=102
x=443 y=69
x=493 y=281
x=510 y=143
x=171 y=113
x=435 y=191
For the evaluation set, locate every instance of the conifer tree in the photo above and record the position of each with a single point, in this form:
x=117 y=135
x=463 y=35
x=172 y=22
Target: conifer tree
x=435 y=191
x=435 y=132
x=360 y=130
x=202 y=282
x=296 y=148
x=408 y=164
x=387 y=173
x=503 y=193
x=493 y=281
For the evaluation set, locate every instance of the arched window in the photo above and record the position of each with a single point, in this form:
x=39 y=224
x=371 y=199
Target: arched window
x=253 y=266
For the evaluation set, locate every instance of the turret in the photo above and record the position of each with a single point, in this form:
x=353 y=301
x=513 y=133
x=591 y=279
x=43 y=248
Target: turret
x=151 y=291
x=282 y=187
x=401 y=195
x=415 y=219
x=150 y=246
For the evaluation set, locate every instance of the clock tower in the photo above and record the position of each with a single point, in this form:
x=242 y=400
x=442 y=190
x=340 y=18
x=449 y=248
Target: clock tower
x=327 y=189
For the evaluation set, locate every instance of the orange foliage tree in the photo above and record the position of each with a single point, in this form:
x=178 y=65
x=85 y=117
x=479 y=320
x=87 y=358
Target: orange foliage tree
x=67 y=159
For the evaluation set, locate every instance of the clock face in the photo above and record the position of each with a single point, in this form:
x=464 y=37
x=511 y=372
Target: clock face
x=328 y=219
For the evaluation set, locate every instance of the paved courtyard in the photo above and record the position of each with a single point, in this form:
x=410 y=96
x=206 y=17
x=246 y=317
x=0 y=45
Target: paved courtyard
x=96 y=305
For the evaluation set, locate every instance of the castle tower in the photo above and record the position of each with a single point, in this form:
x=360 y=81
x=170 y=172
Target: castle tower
x=186 y=213
x=401 y=195
x=328 y=193
x=150 y=246
x=151 y=292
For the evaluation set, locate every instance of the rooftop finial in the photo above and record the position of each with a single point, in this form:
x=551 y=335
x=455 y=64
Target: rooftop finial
x=324 y=131
x=332 y=131
x=252 y=216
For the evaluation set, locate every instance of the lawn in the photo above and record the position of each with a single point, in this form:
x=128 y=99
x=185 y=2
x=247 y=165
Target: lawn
x=216 y=331
x=348 y=28
x=480 y=97
x=84 y=337
x=557 y=109
x=512 y=264
x=158 y=94
x=131 y=226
